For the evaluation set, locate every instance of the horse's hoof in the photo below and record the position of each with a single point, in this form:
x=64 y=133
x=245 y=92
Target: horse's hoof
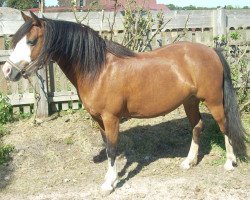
x=185 y=165
x=229 y=165
x=106 y=189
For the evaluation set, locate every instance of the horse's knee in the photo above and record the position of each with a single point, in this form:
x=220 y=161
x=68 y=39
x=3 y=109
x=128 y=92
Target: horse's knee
x=197 y=130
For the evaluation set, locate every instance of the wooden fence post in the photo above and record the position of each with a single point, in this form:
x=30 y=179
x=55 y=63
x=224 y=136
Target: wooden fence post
x=220 y=22
x=41 y=87
x=41 y=99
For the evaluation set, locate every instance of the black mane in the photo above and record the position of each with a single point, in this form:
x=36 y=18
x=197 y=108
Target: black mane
x=79 y=45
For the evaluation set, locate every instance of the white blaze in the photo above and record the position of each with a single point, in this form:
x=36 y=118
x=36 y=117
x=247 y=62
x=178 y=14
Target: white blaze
x=21 y=52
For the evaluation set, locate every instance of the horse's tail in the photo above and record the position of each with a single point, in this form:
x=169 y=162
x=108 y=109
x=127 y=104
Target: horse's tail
x=234 y=128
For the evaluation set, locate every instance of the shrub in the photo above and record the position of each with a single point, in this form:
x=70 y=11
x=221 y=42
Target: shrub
x=5 y=151
x=5 y=116
x=237 y=59
x=5 y=110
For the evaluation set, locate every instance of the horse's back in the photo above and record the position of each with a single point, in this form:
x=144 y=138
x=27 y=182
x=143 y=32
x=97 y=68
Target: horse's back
x=198 y=63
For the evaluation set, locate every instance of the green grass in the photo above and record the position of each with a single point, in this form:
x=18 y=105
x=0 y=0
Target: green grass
x=5 y=150
x=212 y=136
x=3 y=131
x=213 y=140
x=69 y=140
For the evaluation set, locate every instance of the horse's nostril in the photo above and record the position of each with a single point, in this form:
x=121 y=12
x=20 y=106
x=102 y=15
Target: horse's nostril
x=8 y=71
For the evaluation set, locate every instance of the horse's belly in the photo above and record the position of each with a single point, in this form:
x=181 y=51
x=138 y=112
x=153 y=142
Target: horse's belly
x=154 y=90
x=155 y=105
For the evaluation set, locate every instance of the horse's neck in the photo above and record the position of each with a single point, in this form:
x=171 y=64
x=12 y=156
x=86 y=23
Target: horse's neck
x=79 y=81
x=69 y=73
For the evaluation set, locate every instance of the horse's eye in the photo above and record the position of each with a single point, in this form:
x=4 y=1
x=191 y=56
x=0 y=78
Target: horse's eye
x=32 y=42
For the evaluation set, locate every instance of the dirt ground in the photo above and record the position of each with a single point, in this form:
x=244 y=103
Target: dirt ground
x=62 y=158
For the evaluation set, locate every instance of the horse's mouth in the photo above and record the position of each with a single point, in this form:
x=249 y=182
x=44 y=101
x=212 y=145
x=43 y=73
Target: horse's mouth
x=12 y=72
x=14 y=79
x=17 y=77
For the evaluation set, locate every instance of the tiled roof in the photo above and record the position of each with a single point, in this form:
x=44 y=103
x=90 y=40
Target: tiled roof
x=147 y=4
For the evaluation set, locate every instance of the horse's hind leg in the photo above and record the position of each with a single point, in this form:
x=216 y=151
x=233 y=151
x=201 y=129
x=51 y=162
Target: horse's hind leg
x=217 y=111
x=191 y=107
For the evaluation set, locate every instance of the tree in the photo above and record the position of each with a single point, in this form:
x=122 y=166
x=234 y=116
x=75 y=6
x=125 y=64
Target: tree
x=171 y=6
x=1 y=2
x=190 y=7
x=229 y=7
x=65 y=3
x=22 y=4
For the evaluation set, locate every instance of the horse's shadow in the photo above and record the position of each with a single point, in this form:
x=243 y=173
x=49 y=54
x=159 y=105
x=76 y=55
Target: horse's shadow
x=145 y=144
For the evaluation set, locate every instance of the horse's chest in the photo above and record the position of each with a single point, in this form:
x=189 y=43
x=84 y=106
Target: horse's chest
x=91 y=109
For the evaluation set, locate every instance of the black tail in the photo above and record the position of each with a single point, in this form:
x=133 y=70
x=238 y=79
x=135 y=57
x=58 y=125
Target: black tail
x=234 y=128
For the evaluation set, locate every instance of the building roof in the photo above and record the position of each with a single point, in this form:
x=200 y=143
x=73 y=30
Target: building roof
x=108 y=5
x=146 y=4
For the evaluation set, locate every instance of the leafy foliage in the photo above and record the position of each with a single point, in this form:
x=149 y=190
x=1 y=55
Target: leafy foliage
x=235 y=35
x=22 y=4
x=5 y=151
x=138 y=24
x=5 y=110
x=5 y=116
x=65 y=3
x=238 y=62
x=1 y=2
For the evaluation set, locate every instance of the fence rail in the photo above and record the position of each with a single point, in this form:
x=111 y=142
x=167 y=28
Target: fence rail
x=53 y=87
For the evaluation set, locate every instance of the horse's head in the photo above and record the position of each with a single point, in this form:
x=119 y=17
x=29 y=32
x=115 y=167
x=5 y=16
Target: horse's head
x=27 y=43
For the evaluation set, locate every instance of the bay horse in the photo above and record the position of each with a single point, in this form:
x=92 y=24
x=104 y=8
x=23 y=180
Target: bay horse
x=114 y=82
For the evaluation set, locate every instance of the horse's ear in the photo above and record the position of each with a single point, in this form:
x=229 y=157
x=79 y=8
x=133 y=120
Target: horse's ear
x=25 y=17
x=35 y=19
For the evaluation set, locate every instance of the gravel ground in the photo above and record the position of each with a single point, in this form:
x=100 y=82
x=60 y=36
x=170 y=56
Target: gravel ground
x=62 y=158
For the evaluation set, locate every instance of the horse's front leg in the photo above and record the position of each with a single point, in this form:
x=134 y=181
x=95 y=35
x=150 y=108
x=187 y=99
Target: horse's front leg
x=110 y=132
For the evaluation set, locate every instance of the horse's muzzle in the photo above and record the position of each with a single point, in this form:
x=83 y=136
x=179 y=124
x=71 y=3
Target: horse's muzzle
x=11 y=73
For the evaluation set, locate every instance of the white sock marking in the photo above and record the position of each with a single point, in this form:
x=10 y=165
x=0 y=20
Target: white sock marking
x=110 y=177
